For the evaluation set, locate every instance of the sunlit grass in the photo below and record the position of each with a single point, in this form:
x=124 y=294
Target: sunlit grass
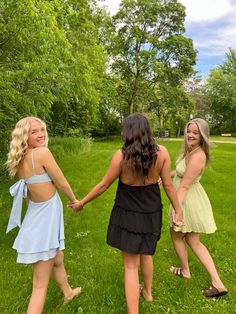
x=97 y=267
x=213 y=138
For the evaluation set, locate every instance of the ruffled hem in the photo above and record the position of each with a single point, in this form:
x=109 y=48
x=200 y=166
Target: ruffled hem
x=30 y=258
x=189 y=229
x=136 y=222
x=132 y=242
x=191 y=226
x=34 y=247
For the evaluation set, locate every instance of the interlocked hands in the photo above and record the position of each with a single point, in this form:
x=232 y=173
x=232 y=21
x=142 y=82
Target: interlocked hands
x=177 y=218
x=76 y=205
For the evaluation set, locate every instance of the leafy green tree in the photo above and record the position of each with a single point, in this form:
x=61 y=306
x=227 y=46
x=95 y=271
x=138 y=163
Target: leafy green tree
x=52 y=63
x=34 y=54
x=108 y=118
x=149 y=50
x=194 y=85
x=172 y=107
x=86 y=73
x=221 y=95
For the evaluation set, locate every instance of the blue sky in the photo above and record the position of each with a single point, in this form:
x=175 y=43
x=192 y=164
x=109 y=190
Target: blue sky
x=212 y=26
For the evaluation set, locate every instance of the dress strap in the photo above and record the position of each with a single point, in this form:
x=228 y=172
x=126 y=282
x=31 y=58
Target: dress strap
x=192 y=151
x=18 y=191
x=32 y=158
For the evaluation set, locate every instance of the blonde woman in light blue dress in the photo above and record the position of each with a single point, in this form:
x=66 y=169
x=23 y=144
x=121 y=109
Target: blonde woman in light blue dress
x=197 y=211
x=40 y=240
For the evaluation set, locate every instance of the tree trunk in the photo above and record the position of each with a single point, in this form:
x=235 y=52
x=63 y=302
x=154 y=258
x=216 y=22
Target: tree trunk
x=131 y=107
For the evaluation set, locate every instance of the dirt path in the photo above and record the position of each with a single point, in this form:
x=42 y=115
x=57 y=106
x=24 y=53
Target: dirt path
x=224 y=142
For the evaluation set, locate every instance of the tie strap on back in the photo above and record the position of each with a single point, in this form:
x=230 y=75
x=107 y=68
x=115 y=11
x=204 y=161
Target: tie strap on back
x=18 y=191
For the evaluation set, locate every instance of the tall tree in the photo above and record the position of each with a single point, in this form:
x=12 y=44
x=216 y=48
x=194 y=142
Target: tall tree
x=195 y=88
x=221 y=94
x=33 y=54
x=149 y=50
x=52 y=63
x=87 y=71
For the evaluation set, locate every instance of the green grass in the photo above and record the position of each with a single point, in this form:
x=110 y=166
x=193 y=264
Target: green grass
x=214 y=138
x=61 y=146
x=98 y=268
x=223 y=138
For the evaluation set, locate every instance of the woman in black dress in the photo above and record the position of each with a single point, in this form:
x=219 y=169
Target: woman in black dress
x=136 y=217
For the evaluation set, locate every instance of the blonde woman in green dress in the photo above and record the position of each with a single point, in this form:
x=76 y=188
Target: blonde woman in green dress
x=197 y=211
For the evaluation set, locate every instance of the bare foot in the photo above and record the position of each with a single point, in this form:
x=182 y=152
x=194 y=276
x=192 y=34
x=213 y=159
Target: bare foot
x=144 y=294
x=74 y=293
x=179 y=272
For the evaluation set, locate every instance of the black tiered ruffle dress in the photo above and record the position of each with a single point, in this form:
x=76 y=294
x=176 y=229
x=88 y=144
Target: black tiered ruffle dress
x=136 y=219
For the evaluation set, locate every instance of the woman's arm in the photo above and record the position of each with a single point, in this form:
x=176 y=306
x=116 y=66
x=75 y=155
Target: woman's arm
x=111 y=175
x=172 y=174
x=194 y=168
x=51 y=167
x=169 y=187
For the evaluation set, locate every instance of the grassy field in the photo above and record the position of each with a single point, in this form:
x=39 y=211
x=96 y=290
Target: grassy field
x=223 y=139
x=97 y=267
x=214 y=139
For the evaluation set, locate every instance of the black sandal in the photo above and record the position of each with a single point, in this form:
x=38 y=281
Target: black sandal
x=213 y=292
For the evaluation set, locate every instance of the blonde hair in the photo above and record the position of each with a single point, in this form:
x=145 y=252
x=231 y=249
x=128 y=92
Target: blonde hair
x=205 y=144
x=19 y=143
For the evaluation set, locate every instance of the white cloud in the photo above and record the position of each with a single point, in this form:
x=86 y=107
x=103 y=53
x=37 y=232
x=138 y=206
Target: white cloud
x=212 y=26
x=206 y=10
x=217 y=40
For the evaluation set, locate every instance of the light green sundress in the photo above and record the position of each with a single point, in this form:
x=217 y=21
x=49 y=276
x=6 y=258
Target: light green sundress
x=197 y=210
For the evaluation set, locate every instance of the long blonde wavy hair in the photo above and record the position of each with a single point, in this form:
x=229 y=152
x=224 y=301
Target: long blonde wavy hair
x=204 y=137
x=19 y=143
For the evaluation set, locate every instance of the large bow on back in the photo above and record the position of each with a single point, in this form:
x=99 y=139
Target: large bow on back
x=18 y=191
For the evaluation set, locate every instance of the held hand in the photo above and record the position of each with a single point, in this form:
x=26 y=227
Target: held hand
x=177 y=218
x=76 y=206
x=72 y=202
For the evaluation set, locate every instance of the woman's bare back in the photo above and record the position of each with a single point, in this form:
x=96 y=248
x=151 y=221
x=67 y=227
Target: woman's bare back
x=30 y=166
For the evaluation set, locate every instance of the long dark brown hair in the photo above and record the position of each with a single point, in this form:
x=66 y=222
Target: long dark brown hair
x=139 y=148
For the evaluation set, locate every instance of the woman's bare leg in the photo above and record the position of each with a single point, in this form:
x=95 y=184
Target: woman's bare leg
x=41 y=275
x=131 y=281
x=193 y=240
x=146 y=263
x=180 y=249
x=60 y=276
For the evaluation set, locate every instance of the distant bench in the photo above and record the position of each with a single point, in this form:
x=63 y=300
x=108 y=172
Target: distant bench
x=226 y=134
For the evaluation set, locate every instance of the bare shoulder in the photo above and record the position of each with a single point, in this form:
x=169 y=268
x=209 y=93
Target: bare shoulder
x=199 y=155
x=118 y=156
x=198 y=159
x=162 y=151
x=42 y=152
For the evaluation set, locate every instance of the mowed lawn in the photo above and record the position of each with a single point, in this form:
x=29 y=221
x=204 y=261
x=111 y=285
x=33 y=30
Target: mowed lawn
x=91 y=263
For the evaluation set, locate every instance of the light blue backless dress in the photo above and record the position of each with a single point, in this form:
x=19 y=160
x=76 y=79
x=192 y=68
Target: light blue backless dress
x=41 y=233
